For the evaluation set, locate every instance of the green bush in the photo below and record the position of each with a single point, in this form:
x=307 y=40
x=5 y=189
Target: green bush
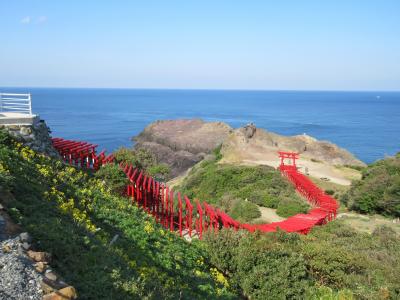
x=332 y=262
x=244 y=211
x=330 y=192
x=114 y=178
x=144 y=160
x=379 y=189
x=291 y=207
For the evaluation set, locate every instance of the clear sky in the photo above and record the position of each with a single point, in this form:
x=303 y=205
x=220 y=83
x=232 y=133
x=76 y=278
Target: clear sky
x=291 y=45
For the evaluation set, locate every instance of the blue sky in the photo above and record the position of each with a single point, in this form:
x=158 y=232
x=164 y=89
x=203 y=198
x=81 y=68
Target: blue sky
x=291 y=45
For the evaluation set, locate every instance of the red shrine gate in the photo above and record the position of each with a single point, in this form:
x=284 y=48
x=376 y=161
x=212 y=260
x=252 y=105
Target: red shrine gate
x=177 y=213
x=291 y=156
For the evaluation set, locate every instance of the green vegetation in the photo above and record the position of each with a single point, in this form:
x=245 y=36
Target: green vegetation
x=238 y=189
x=332 y=262
x=113 y=178
x=74 y=215
x=379 y=189
x=143 y=160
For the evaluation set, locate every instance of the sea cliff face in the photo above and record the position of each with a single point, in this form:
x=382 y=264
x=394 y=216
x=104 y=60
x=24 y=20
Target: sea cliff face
x=183 y=143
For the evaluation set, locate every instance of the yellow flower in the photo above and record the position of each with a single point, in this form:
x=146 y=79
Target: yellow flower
x=219 y=277
x=148 y=227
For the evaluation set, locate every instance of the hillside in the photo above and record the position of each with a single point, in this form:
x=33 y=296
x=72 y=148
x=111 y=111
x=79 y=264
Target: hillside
x=241 y=190
x=105 y=247
x=378 y=191
x=109 y=249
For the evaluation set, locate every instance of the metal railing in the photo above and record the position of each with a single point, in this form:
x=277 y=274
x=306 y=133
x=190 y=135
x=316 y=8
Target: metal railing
x=16 y=103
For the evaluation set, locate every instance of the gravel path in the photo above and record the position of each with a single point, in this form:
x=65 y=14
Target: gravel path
x=18 y=278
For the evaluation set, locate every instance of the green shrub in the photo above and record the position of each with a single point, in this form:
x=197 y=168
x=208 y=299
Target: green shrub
x=379 y=189
x=160 y=171
x=330 y=192
x=245 y=211
x=272 y=202
x=291 y=207
x=114 y=178
x=143 y=160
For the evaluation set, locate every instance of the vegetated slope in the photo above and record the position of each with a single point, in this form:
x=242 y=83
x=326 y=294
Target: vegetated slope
x=239 y=189
x=379 y=189
x=332 y=262
x=75 y=217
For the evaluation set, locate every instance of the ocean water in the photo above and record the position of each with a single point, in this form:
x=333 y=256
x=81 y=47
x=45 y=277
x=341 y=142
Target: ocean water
x=365 y=123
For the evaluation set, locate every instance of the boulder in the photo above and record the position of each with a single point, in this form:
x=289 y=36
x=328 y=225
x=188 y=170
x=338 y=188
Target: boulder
x=39 y=256
x=66 y=293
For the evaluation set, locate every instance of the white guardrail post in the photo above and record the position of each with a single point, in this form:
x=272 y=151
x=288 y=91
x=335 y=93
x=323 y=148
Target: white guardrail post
x=16 y=103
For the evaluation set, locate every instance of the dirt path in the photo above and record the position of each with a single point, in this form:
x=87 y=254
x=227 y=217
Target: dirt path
x=342 y=176
x=268 y=215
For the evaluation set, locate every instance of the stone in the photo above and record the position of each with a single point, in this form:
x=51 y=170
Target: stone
x=249 y=130
x=46 y=288
x=1 y=207
x=39 y=256
x=66 y=293
x=51 y=275
x=25 y=237
x=26 y=246
x=40 y=267
x=69 y=292
x=56 y=285
x=25 y=130
x=6 y=249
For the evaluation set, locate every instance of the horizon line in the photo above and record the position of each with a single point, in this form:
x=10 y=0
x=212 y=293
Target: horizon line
x=204 y=89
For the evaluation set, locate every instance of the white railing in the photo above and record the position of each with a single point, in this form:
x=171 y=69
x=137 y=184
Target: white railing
x=16 y=103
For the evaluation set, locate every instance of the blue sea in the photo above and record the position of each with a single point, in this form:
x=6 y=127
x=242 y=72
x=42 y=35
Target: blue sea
x=365 y=123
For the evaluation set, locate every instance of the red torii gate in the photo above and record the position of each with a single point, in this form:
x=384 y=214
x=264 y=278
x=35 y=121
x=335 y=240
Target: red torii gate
x=292 y=156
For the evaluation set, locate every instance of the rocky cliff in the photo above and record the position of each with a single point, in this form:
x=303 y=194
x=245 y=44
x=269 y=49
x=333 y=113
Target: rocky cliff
x=182 y=143
x=35 y=136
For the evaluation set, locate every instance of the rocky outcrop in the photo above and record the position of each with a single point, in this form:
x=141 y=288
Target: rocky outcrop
x=182 y=143
x=35 y=136
x=249 y=141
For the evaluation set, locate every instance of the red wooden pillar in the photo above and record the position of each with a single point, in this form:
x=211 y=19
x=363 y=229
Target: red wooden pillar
x=138 y=193
x=149 y=195
x=162 y=204
x=144 y=191
x=171 y=200
x=166 y=207
x=180 y=213
x=200 y=220
x=189 y=214
x=157 y=201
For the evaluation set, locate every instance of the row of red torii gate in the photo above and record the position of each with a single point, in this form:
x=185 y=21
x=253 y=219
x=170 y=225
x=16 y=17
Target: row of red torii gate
x=178 y=213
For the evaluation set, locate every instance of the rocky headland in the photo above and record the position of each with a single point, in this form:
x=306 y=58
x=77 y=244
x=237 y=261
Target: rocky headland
x=183 y=143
